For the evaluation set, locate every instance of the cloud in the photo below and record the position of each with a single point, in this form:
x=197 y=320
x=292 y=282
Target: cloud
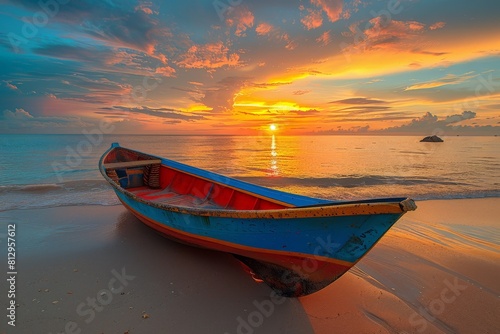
x=424 y=125
x=325 y=38
x=332 y=8
x=264 y=28
x=135 y=28
x=273 y=84
x=300 y=92
x=359 y=100
x=10 y=85
x=362 y=110
x=430 y=123
x=209 y=56
x=309 y=112
x=20 y=115
x=166 y=71
x=437 y=25
x=21 y=120
x=458 y=118
x=106 y=59
x=220 y=98
x=382 y=32
x=73 y=52
x=145 y=8
x=88 y=87
x=275 y=33
x=449 y=79
x=241 y=18
x=432 y=53
x=312 y=20
x=156 y=112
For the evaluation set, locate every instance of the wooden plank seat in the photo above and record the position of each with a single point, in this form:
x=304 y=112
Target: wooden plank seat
x=127 y=164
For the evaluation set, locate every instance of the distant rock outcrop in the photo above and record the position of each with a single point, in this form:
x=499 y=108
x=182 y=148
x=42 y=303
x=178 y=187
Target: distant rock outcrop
x=432 y=139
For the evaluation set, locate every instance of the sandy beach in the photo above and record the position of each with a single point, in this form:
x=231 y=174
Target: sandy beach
x=97 y=269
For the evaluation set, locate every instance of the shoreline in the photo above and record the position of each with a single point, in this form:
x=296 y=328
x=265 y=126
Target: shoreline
x=98 y=269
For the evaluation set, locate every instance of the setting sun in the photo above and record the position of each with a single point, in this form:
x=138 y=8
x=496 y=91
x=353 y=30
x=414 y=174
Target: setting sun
x=272 y=127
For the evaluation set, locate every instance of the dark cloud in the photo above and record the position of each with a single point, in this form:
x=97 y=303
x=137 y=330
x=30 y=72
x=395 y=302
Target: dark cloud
x=268 y=85
x=157 y=112
x=458 y=118
x=375 y=116
x=432 y=53
x=107 y=21
x=309 y=112
x=359 y=100
x=300 y=92
x=360 y=110
x=430 y=123
x=73 y=53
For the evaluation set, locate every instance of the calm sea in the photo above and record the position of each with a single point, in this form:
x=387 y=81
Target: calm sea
x=55 y=170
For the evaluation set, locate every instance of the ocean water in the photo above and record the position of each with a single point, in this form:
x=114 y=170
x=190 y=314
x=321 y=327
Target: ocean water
x=39 y=171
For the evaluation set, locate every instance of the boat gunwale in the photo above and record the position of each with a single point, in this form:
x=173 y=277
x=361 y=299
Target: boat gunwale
x=328 y=209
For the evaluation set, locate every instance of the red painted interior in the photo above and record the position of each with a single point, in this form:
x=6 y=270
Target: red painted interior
x=190 y=189
x=180 y=183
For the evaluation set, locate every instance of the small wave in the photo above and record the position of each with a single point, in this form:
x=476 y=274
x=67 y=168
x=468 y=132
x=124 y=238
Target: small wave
x=51 y=187
x=30 y=188
x=459 y=195
x=414 y=152
x=347 y=181
x=80 y=192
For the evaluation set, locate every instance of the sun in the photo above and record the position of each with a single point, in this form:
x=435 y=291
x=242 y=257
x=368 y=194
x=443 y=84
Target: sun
x=272 y=127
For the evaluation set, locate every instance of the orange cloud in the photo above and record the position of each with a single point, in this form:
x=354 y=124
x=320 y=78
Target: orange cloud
x=241 y=18
x=313 y=20
x=437 y=25
x=381 y=29
x=332 y=8
x=209 y=56
x=144 y=8
x=325 y=38
x=264 y=28
x=166 y=71
x=449 y=79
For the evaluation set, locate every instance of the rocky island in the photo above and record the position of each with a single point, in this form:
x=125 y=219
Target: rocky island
x=432 y=139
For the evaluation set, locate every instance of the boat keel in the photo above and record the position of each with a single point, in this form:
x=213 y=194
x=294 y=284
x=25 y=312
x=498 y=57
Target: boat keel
x=284 y=281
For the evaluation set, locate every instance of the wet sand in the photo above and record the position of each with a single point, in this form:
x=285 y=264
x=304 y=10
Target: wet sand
x=436 y=271
x=96 y=269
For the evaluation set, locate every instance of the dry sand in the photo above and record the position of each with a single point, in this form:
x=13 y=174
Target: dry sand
x=97 y=269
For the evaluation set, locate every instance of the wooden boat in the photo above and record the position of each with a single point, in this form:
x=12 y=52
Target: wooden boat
x=296 y=244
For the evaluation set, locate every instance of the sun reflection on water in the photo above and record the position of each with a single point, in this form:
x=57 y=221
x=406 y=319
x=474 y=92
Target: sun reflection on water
x=274 y=170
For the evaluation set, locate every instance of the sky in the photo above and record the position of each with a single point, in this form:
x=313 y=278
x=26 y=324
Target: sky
x=236 y=67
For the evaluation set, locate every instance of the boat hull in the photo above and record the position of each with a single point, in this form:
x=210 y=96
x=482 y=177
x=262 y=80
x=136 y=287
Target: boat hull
x=293 y=260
